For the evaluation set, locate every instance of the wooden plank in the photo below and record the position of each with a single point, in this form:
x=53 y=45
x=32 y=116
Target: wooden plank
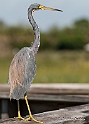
x=53 y=92
x=74 y=89
x=71 y=115
x=54 y=98
x=59 y=98
x=79 y=89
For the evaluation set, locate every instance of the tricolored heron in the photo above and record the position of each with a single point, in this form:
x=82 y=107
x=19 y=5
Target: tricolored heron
x=23 y=66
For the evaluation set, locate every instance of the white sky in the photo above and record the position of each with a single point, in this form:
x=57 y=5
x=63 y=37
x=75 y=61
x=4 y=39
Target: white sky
x=15 y=12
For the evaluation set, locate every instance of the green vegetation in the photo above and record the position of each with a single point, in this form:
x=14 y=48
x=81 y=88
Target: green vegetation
x=61 y=58
x=62 y=67
x=4 y=69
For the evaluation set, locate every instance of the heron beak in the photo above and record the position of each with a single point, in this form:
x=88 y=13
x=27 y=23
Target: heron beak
x=48 y=8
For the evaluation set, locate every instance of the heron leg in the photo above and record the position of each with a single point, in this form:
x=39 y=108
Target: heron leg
x=30 y=115
x=19 y=115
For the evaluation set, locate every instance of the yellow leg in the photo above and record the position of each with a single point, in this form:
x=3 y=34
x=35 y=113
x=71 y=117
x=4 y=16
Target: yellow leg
x=19 y=115
x=30 y=115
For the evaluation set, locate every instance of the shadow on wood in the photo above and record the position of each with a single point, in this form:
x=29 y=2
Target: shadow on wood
x=70 y=115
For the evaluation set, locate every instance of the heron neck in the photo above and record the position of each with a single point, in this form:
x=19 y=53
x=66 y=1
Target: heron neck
x=35 y=45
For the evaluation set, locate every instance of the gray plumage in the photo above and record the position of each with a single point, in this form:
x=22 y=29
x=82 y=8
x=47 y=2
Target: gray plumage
x=21 y=73
x=23 y=66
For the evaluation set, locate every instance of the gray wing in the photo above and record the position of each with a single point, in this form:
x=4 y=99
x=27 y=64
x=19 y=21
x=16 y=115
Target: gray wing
x=21 y=73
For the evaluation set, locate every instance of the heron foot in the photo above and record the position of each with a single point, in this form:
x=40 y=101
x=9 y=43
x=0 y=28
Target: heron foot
x=30 y=115
x=33 y=119
x=19 y=117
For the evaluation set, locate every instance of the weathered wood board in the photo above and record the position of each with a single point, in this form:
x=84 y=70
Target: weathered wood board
x=70 y=115
x=74 y=89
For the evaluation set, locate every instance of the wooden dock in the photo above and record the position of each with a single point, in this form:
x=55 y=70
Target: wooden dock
x=70 y=115
x=44 y=98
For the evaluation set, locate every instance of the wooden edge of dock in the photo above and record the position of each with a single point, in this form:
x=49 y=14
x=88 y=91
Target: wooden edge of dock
x=79 y=89
x=53 y=92
x=69 y=115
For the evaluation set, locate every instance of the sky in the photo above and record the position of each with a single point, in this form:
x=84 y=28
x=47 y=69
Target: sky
x=14 y=12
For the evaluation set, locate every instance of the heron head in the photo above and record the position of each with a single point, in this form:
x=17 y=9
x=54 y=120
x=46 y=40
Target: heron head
x=41 y=7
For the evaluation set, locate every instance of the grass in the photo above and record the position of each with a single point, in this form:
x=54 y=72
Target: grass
x=4 y=67
x=55 y=67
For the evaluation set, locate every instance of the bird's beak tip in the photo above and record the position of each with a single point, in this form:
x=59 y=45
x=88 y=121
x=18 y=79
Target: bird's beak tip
x=58 y=10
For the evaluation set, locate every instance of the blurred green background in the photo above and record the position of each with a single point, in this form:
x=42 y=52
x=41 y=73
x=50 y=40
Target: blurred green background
x=63 y=56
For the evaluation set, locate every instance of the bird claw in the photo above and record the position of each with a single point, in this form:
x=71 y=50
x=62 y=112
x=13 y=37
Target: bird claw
x=28 y=119
x=19 y=117
x=31 y=118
